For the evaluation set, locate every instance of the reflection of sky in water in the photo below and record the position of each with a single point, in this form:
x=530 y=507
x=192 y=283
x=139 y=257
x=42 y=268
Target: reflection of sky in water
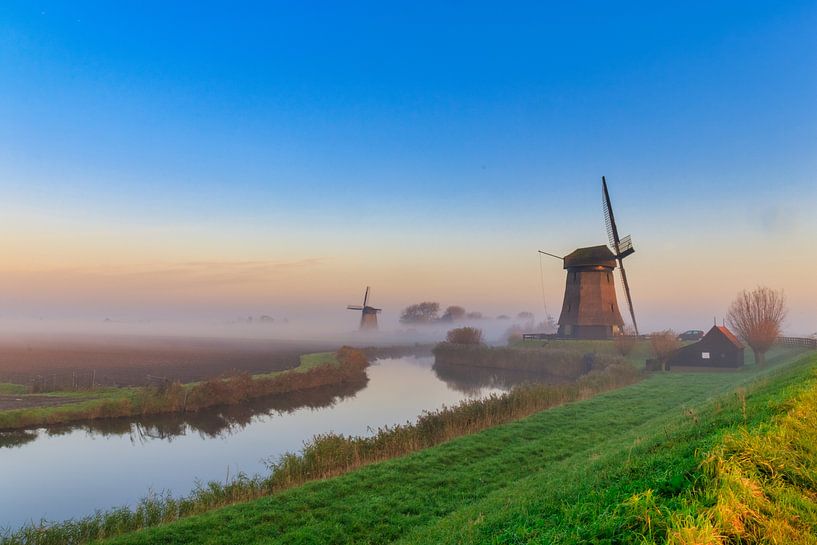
x=78 y=471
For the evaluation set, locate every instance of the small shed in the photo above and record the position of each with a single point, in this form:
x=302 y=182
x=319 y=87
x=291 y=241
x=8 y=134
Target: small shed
x=719 y=348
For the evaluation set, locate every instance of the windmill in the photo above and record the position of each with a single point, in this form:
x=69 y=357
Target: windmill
x=368 y=317
x=590 y=308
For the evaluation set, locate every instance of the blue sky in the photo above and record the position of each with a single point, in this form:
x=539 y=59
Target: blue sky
x=297 y=131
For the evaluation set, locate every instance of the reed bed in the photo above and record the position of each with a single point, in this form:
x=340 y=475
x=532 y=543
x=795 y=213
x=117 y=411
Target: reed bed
x=329 y=455
x=350 y=365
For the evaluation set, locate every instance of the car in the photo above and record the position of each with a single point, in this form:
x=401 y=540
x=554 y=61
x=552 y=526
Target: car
x=691 y=335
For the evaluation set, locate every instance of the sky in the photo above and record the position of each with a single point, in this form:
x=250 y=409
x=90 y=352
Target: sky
x=212 y=160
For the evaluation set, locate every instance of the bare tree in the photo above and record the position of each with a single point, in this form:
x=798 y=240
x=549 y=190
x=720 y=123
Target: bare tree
x=664 y=345
x=757 y=316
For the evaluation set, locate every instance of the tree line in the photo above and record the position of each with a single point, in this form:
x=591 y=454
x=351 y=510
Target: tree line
x=428 y=312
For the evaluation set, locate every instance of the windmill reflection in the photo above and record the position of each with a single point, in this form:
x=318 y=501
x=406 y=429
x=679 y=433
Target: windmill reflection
x=473 y=380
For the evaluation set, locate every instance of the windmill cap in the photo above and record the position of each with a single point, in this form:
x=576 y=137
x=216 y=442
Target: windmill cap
x=592 y=256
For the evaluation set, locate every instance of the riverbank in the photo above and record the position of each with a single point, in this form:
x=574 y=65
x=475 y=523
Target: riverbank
x=331 y=454
x=315 y=370
x=562 y=363
x=560 y=476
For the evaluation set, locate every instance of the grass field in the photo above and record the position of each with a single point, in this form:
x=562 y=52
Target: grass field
x=565 y=475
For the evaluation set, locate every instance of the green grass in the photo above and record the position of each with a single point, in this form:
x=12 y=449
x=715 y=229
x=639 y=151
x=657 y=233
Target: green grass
x=560 y=476
x=757 y=485
x=318 y=358
x=12 y=389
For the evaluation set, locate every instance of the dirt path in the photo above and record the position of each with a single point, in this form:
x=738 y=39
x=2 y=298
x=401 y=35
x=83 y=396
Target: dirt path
x=9 y=402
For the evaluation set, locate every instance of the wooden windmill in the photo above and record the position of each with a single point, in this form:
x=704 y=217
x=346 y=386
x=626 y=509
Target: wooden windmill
x=368 y=317
x=590 y=308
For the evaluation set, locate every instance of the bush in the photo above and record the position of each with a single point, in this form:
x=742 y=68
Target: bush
x=352 y=357
x=625 y=343
x=464 y=335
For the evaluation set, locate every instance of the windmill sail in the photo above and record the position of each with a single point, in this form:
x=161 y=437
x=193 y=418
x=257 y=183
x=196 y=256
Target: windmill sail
x=621 y=247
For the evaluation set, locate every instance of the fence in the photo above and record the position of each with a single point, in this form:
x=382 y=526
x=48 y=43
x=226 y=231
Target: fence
x=551 y=336
x=64 y=381
x=808 y=342
x=538 y=336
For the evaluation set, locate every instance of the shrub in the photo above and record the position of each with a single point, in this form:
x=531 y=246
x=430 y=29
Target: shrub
x=625 y=343
x=348 y=356
x=464 y=335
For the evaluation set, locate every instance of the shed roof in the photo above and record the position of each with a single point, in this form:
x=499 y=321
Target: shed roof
x=726 y=333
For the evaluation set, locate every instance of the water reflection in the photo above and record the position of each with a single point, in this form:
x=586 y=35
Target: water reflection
x=209 y=423
x=225 y=421
x=16 y=438
x=473 y=380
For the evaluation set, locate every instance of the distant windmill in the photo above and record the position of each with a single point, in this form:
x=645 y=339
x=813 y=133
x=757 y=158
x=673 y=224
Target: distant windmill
x=590 y=309
x=368 y=317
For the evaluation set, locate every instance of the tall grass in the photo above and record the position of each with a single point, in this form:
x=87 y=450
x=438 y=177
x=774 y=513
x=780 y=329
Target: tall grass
x=558 y=362
x=349 y=364
x=756 y=486
x=330 y=455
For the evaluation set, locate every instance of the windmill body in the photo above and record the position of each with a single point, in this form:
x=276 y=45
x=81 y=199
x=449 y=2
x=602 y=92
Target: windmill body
x=368 y=319
x=368 y=314
x=590 y=309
